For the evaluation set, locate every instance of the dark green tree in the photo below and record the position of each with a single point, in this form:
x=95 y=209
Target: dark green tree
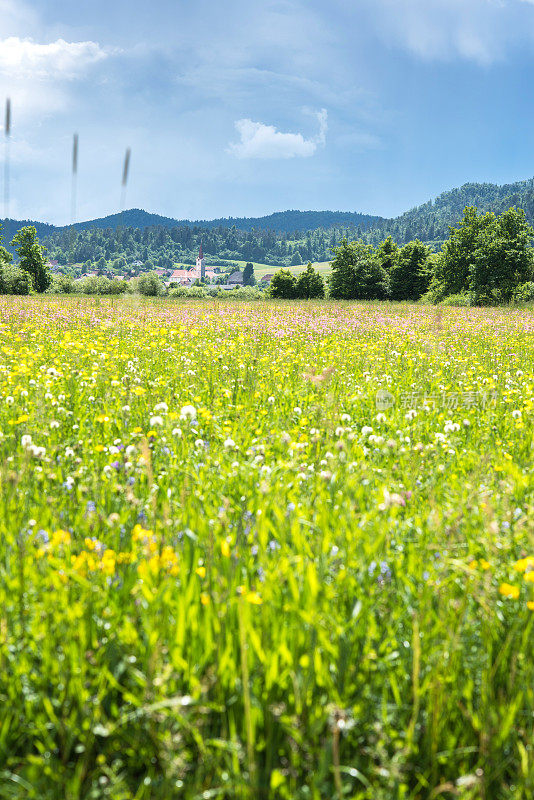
x=503 y=258
x=487 y=256
x=357 y=273
x=5 y=255
x=150 y=285
x=248 y=274
x=451 y=275
x=387 y=253
x=283 y=285
x=32 y=258
x=310 y=284
x=411 y=273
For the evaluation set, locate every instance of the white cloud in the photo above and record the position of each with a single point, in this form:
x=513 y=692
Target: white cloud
x=265 y=141
x=25 y=58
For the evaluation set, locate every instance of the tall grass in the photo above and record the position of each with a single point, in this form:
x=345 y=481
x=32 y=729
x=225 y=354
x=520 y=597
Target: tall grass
x=225 y=573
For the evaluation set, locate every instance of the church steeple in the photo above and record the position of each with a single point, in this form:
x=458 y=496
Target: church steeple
x=200 y=264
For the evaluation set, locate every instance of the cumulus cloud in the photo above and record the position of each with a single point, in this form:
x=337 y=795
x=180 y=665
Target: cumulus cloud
x=25 y=58
x=265 y=141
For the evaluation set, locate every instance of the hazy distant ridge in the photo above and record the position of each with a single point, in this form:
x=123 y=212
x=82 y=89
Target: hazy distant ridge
x=428 y=221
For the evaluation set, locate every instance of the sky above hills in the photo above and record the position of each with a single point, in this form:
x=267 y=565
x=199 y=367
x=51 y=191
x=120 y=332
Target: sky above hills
x=242 y=108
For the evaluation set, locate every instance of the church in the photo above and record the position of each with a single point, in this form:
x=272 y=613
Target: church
x=201 y=272
x=187 y=277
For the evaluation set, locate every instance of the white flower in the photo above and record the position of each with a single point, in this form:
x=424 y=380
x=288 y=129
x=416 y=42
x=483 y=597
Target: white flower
x=229 y=444
x=69 y=452
x=345 y=418
x=177 y=432
x=156 y=422
x=188 y=412
x=130 y=451
x=381 y=417
x=10 y=400
x=126 y=409
x=466 y=423
x=270 y=400
x=411 y=414
x=451 y=426
x=26 y=440
x=161 y=407
x=297 y=411
x=37 y=452
x=199 y=443
x=366 y=430
x=516 y=414
x=54 y=424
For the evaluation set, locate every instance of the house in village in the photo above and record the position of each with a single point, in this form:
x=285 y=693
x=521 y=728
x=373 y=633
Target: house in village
x=235 y=279
x=184 y=277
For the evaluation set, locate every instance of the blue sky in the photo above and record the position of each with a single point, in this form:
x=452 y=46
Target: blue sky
x=243 y=108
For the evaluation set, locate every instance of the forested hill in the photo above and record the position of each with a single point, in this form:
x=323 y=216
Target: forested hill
x=286 y=238
x=429 y=222
x=280 y=222
x=290 y=221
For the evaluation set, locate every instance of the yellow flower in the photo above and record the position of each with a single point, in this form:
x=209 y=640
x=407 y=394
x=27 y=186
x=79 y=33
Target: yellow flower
x=201 y=572
x=139 y=391
x=530 y=605
x=60 y=537
x=225 y=548
x=254 y=599
x=472 y=565
x=524 y=563
x=204 y=599
x=529 y=577
x=507 y=590
x=108 y=562
x=484 y=564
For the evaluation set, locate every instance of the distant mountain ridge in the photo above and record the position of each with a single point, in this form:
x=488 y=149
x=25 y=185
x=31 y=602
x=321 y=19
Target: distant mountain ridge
x=428 y=221
x=280 y=221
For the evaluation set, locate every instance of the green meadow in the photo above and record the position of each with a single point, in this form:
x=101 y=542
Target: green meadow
x=265 y=550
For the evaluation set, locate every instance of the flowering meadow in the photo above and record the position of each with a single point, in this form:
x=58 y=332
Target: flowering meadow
x=270 y=550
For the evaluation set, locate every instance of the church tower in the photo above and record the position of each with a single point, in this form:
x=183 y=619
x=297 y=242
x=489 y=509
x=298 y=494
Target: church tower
x=200 y=264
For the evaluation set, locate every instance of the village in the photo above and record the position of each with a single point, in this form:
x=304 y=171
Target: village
x=185 y=276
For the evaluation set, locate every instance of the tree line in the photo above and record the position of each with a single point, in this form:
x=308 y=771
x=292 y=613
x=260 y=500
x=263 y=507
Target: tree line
x=487 y=259
x=31 y=272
